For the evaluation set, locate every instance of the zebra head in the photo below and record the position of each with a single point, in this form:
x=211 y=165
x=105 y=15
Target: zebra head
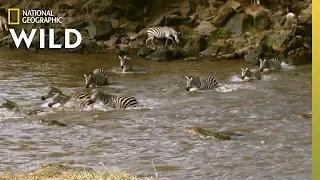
x=263 y=64
x=89 y=79
x=245 y=72
x=190 y=82
x=99 y=96
x=122 y=61
x=52 y=91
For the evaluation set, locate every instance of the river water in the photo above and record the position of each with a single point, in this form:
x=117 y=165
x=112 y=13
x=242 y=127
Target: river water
x=276 y=144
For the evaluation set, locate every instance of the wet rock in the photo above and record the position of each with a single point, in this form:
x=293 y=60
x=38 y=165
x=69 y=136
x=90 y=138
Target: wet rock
x=261 y=20
x=276 y=40
x=99 y=29
x=299 y=57
x=305 y=16
x=205 y=28
x=193 y=45
x=164 y=54
x=144 y=51
x=191 y=58
x=295 y=43
x=89 y=45
x=239 y=23
x=212 y=50
x=114 y=23
x=253 y=55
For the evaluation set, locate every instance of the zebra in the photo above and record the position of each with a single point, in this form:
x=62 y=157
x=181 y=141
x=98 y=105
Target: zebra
x=81 y=99
x=272 y=63
x=125 y=64
x=201 y=83
x=250 y=73
x=114 y=101
x=96 y=78
x=14 y=107
x=162 y=32
x=3 y=25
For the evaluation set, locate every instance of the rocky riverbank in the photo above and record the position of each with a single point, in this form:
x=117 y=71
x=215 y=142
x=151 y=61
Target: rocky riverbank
x=209 y=29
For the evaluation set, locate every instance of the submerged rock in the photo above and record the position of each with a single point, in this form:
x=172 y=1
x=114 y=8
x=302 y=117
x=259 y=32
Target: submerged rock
x=164 y=54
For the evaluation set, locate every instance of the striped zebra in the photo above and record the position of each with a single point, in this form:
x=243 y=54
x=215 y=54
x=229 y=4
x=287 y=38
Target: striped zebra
x=201 y=83
x=250 y=73
x=125 y=64
x=162 y=32
x=113 y=101
x=96 y=78
x=272 y=63
x=80 y=99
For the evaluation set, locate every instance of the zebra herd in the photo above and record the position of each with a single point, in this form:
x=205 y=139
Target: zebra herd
x=99 y=78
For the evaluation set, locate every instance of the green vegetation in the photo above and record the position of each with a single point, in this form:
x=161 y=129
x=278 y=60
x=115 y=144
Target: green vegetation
x=60 y=172
x=222 y=34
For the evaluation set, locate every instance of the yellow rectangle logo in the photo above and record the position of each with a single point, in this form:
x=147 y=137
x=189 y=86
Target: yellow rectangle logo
x=11 y=20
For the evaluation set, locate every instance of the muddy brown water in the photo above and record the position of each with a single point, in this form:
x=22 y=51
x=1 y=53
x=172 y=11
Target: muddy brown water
x=276 y=144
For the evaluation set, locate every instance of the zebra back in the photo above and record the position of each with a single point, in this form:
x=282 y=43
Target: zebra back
x=272 y=63
x=96 y=78
x=163 y=32
x=201 y=83
x=114 y=101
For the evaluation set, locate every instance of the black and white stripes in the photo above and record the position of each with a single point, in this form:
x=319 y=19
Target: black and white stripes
x=201 y=83
x=272 y=63
x=162 y=32
x=96 y=78
x=114 y=101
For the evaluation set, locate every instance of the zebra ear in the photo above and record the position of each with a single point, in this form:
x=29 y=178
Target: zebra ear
x=125 y=57
x=260 y=60
x=84 y=75
x=120 y=57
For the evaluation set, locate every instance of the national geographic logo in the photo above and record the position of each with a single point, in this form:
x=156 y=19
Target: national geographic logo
x=41 y=16
x=13 y=16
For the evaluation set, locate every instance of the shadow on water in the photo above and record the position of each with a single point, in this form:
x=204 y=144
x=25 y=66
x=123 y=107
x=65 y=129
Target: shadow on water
x=277 y=144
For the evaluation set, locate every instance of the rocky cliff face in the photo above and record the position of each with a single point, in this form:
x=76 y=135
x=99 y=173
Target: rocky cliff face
x=212 y=29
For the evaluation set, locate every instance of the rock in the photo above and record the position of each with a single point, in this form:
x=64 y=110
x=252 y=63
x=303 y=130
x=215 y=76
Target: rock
x=212 y=50
x=132 y=35
x=295 y=43
x=144 y=51
x=194 y=45
x=234 y=4
x=137 y=43
x=261 y=20
x=89 y=45
x=174 y=20
x=164 y=54
x=205 y=28
x=253 y=55
x=99 y=29
x=191 y=58
x=69 y=22
x=101 y=44
x=203 y=12
x=276 y=40
x=223 y=16
x=113 y=41
x=239 y=23
x=124 y=40
x=114 y=23
x=305 y=16
x=299 y=57
x=185 y=8
x=132 y=26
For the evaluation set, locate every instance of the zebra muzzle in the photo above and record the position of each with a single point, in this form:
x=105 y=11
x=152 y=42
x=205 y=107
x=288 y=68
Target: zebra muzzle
x=43 y=98
x=187 y=88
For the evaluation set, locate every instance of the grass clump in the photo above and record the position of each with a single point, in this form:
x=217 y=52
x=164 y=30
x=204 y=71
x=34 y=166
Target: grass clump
x=222 y=34
x=61 y=172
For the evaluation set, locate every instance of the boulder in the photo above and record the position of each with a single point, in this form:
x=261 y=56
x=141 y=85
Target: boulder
x=261 y=20
x=185 y=8
x=144 y=51
x=299 y=57
x=194 y=45
x=164 y=54
x=132 y=26
x=276 y=40
x=223 y=16
x=99 y=29
x=72 y=23
x=124 y=40
x=240 y=23
x=113 y=41
x=205 y=28
x=174 y=20
x=253 y=56
x=212 y=50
